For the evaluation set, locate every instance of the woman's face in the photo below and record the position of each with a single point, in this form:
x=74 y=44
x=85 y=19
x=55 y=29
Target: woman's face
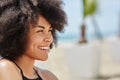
x=39 y=40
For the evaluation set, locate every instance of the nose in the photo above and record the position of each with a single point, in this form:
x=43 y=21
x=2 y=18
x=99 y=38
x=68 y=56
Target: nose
x=48 y=38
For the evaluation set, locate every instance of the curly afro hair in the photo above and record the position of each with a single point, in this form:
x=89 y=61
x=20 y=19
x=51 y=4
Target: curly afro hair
x=15 y=16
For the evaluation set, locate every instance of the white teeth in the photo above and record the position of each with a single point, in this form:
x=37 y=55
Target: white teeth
x=44 y=48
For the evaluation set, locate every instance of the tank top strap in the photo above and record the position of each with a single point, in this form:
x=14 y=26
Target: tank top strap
x=24 y=78
x=37 y=74
x=18 y=67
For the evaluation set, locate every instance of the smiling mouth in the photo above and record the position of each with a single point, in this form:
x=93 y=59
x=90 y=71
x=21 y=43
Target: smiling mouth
x=44 y=48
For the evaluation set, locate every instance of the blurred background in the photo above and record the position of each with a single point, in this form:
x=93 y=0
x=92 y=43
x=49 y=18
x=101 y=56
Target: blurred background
x=89 y=48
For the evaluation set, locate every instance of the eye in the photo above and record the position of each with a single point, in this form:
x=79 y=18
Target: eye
x=50 y=30
x=39 y=31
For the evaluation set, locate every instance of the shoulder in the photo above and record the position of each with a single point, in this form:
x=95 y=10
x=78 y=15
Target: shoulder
x=49 y=75
x=46 y=74
x=5 y=64
x=8 y=71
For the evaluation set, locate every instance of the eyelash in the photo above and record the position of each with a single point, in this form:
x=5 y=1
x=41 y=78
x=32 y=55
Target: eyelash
x=50 y=30
x=39 y=31
x=42 y=31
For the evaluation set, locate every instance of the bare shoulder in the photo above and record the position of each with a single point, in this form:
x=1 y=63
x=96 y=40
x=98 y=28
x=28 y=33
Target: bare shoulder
x=5 y=64
x=49 y=75
x=8 y=71
x=46 y=74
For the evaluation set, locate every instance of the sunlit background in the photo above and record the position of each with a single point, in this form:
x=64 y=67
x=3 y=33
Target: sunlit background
x=107 y=16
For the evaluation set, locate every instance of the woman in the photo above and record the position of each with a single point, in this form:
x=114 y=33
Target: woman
x=27 y=32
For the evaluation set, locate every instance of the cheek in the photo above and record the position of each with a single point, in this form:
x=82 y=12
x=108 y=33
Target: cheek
x=34 y=40
x=37 y=39
x=33 y=43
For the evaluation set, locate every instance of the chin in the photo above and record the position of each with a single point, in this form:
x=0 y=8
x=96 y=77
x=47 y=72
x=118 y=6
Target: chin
x=43 y=59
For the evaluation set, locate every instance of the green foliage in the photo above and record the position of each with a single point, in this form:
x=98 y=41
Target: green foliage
x=89 y=7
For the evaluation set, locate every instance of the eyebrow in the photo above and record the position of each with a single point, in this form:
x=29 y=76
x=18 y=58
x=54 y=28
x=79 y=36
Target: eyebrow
x=43 y=27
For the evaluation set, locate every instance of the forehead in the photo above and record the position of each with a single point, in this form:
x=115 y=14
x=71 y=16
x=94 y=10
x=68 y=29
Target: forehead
x=43 y=22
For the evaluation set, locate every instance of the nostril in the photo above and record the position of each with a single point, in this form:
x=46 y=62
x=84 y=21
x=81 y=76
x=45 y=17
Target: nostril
x=47 y=39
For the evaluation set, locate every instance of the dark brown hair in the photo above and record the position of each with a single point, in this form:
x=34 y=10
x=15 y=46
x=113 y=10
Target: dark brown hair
x=15 y=16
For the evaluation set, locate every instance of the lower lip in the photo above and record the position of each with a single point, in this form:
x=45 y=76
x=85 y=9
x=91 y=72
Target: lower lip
x=44 y=50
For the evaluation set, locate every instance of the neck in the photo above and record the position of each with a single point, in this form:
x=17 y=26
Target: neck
x=26 y=64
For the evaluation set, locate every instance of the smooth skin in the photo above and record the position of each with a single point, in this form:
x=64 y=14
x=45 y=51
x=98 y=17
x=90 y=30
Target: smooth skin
x=39 y=40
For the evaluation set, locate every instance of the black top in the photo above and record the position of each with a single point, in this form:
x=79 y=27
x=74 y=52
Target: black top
x=25 y=78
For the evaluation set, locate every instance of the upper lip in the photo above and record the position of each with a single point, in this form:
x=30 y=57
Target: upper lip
x=44 y=47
